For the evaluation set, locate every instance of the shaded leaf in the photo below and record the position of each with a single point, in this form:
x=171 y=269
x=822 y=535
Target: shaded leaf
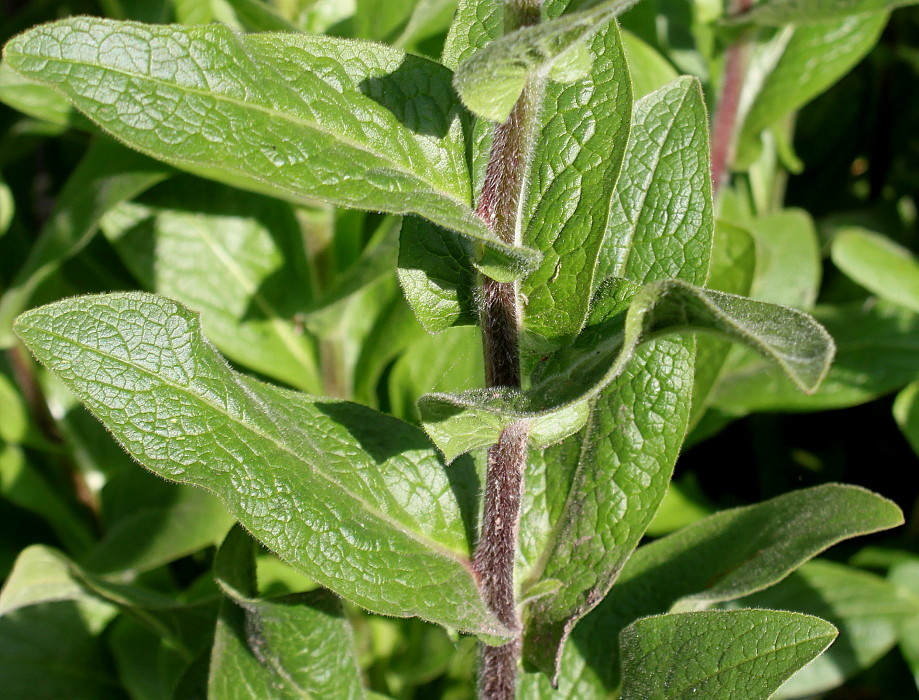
x=776 y=13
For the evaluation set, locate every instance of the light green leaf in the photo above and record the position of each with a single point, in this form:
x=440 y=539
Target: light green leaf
x=788 y=259
x=437 y=276
x=650 y=71
x=718 y=654
x=7 y=206
x=556 y=404
x=107 y=175
x=906 y=412
x=475 y=24
x=37 y=100
x=579 y=143
x=155 y=523
x=776 y=13
x=236 y=258
x=878 y=264
x=310 y=478
x=491 y=80
x=805 y=67
x=865 y=608
x=877 y=352
x=661 y=220
x=905 y=576
x=729 y=555
x=296 y=646
x=258 y=16
x=391 y=116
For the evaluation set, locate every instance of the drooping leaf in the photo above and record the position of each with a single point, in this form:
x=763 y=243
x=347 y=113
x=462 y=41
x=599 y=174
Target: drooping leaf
x=391 y=116
x=310 y=478
x=718 y=654
x=107 y=175
x=236 y=258
x=777 y=13
x=878 y=264
x=864 y=607
x=295 y=646
x=580 y=141
x=877 y=352
x=661 y=220
x=556 y=404
x=725 y=556
x=490 y=80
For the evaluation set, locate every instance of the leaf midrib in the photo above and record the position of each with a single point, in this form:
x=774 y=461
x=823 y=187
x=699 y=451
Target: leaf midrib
x=373 y=510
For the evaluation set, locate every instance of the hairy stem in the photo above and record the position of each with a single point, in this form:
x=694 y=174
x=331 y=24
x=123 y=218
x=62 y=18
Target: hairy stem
x=500 y=317
x=724 y=125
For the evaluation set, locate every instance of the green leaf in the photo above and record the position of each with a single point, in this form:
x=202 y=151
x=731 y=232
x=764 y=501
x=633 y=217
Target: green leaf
x=491 y=80
x=865 y=608
x=776 y=13
x=391 y=116
x=905 y=576
x=906 y=412
x=804 y=67
x=258 y=16
x=310 y=478
x=296 y=646
x=661 y=220
x=37 y=100
x=475 y=24
x=718 y=654
x=579 y=143
x=107 y=175
x=7 y=206
x=878 y=264
x=600 y=490
x=649 y=70
x=877 y=352
x=437 y=276
x=557 y=403
x=236 y=258
x=726 y=556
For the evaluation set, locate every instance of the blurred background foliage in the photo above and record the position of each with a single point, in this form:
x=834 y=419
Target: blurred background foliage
x=820 y=213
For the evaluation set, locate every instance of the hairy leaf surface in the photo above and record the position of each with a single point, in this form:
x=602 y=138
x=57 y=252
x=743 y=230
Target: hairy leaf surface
x=357 y=501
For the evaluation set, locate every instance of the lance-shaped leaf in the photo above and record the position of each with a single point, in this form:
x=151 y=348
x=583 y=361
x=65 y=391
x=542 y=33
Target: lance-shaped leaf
x=879 y=265
x=556 y=404
x=295 y=646
x=718 y=654
x=108 y=175
x=726 y=556
x=275 y=113
x=491 y=80
x=357 y=501
x=579 y=145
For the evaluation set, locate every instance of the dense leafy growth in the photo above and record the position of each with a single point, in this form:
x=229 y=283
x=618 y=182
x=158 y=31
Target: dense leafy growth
x=434 y=316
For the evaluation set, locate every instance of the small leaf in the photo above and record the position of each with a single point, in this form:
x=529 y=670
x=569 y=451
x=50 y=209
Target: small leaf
x=906 y=412
x=310 y=478
x=562 y=386
x=475 y=24
x=392 y=116
x=7 y=206
x=295 y=646
x=878 y=264
x=717 y=654
x=865 y=608
x=491 y=80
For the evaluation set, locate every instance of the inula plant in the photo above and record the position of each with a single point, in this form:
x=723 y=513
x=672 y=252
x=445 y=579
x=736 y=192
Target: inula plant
x=543 y=192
